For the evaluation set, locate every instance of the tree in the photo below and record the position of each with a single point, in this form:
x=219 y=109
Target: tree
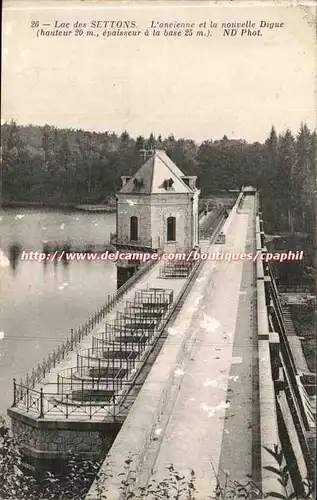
x=47 y=142
x=302 y=178
x=151 y=142
x=283 y=185
x=14 y=139
x=73 y=484
x=76 y=166
x=140 y=142
x=269 y=198
x=64 y=153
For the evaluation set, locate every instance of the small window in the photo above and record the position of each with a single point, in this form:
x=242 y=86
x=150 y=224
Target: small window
x=186 y=180
x=168 y=184
x=171 y=229
x=134 y=228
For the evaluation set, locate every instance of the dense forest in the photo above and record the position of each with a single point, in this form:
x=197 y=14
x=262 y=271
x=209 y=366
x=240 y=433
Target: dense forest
x=63 y=166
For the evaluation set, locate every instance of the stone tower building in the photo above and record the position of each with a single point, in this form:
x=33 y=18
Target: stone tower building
x=157 y=209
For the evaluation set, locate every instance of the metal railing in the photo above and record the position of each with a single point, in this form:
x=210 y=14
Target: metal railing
x=295 y=289
x=56 y=405
x=80 y=382
x=132 y=339
x=103 y=372
x=106 y=356
x=176 y=269
x=210 y=224
x=77 y=335
x=93 y=385
x=126 y=241
x=292 y=390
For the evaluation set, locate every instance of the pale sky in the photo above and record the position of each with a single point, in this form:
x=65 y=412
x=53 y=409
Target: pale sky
x=194 y=87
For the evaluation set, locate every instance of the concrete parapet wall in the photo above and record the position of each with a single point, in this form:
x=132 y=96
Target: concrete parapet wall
x=258 y=241
x=268 y=415
x=259 y=270
x=239 y=202
x=268 y=421
x=263 y=325
x=257 y=225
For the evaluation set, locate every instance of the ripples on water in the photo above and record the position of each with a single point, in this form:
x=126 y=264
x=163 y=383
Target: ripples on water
x=40 y=303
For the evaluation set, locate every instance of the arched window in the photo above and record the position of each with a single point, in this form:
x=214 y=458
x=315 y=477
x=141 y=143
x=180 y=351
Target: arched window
x=134 y=229
x=171 y=229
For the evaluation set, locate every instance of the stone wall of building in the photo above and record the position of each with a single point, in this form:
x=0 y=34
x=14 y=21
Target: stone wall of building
x=175 y=205
x=152 y=212
x=134 y=206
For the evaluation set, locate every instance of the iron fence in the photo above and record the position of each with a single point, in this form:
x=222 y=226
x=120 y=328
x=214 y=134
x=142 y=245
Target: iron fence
x=151 y=311
x=53 y=404
x=176 y=269
x=77 y=335
x=103 y=371
x=132 y=339
x=98 y=385
x=295 y=289
x=85 y=382
x=154 y=296
x=292 y=390
x=116 y=239
x=100 y=359
x=210 y=224
x=89 y=389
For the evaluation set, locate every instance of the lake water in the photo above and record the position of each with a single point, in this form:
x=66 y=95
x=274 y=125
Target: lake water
x=39 y=304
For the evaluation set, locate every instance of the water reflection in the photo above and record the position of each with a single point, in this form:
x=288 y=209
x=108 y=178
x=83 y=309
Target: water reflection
x=41 y=301
x=15 y=252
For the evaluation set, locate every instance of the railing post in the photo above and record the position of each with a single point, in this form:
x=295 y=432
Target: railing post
x=93 y=376
x=41 y=403
x=66 y=405
x=14 y=393
x=27 y=399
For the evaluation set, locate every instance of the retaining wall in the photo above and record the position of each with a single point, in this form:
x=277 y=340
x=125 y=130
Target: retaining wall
x=269 y=435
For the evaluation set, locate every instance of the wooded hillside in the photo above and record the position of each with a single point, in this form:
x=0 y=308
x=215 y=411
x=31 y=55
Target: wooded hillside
x=47 y=164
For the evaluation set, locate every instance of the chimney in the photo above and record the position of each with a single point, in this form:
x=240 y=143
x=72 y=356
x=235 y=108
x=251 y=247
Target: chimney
x=125 y=179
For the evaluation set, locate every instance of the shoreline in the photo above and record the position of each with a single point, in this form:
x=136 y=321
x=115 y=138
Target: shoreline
x=59 y=206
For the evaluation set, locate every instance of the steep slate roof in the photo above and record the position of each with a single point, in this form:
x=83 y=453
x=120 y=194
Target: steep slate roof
x=153 y=173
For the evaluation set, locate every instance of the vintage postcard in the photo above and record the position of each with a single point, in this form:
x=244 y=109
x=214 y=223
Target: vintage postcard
x=158 y=196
